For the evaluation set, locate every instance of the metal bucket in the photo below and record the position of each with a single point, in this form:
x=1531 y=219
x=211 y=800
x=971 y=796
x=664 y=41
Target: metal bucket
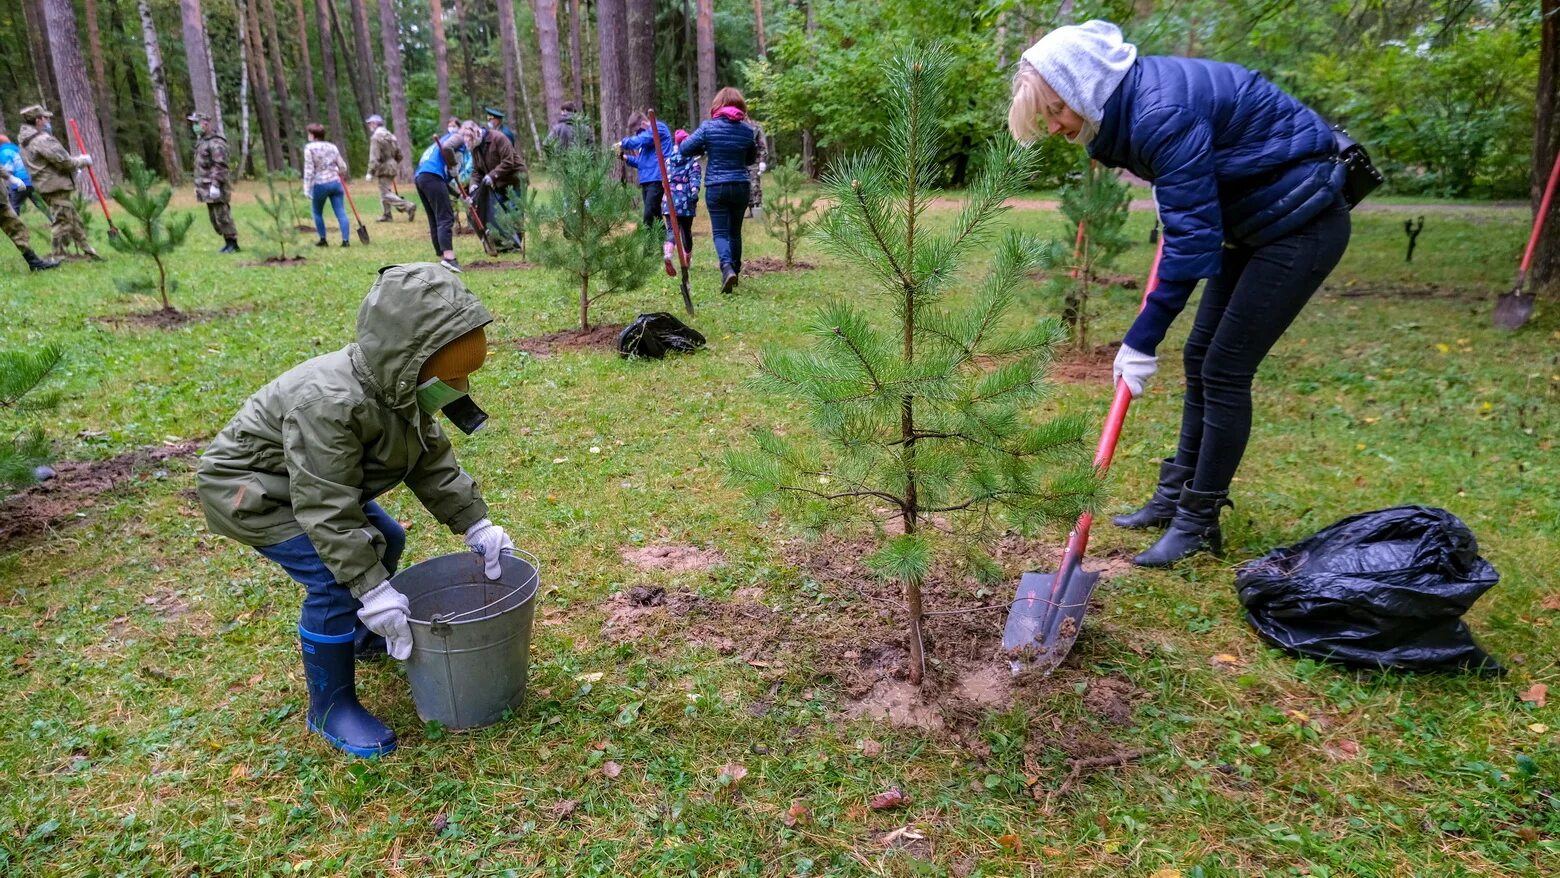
x=471 y=637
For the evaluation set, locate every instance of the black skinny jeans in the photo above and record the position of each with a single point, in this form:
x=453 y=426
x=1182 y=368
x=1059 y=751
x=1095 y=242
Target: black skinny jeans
x=1245 y=309
x=434 y=193
x=652 y=194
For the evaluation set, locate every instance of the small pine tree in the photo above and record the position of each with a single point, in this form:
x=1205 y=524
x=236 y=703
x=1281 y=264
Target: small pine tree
x=508 y=227
x=786 y=209
x=932 y=411
x=21 y=374
x=151 y=233
x=1096 y=206
x=280 y=226
x=587 y=227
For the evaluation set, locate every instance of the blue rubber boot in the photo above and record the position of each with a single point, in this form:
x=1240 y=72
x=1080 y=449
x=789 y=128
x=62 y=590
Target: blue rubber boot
x=334 y=712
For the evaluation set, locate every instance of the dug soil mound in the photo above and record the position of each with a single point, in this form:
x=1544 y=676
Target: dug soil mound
x=650 y=615
x=1089 y=366
x=79 y=486
x=498 y=265
x=672 y=558
x=168 y=318
x=595 y=338
x=276 y=262
x=767 y=264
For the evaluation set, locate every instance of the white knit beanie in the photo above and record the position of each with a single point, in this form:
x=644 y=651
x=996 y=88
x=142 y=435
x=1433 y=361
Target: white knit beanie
x=1084 y=63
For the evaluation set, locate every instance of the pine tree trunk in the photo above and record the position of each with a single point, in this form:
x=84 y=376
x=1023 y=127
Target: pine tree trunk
x=1544 y=274
x=464 y=30
x=705 y=26
x=360 y=92
x=260 y=88
x=641 y=55
x=246 y=166
x=103 y=100
x=585 y=303
x=42 y=59
x=441 y=60
x=612 y=42
x=809 y=145
x=126 y=70
x=286 y=125
x=907 y=402
x=509 y=48
x=70 y=73
x=322 y=17
x=365 y=58
x=691 y=80
x=576 y=61
x=758 y=28
x=154 y=66
x=390 y=32
x=546 y=15
x=197 y=58
x=311 y=104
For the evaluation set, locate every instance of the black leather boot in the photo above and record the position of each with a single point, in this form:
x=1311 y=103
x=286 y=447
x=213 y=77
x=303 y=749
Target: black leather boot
x=1194 y=529
x=230 y=245
x=1160 y=508
x=36 y=262
x=728 y=278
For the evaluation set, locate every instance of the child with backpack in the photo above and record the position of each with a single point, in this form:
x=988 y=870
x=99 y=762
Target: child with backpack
x=685 y=176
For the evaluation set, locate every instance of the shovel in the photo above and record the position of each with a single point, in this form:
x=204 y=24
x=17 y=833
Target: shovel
x=671 y=213
x=1048 y=608
x=1514 y=308
x=488 y=246
x=362 y=229
x=113 y=230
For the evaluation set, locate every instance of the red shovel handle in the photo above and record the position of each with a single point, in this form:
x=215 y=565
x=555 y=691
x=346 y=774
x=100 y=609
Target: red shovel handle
x=348 y=192
x=666 y=190
x=75 y=132
x=1538 y=221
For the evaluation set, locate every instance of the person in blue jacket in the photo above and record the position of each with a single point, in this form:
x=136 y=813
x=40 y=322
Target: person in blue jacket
x=731 y=144
x=22 y=190
x=638 y=151
x=437 y=168
x=685 y=175
x=1250 y=192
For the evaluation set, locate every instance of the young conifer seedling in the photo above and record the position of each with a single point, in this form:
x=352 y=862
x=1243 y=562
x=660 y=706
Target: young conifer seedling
x=151 y=233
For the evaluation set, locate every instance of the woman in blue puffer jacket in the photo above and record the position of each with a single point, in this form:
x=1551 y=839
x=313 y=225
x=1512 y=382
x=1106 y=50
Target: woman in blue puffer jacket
x=731 y=142
x=638 y=150
x=1249 y=189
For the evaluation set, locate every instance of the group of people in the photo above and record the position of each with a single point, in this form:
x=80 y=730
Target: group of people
x=40 y=170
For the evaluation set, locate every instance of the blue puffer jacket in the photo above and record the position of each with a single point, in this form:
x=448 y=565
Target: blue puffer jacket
x=732 y=145
x=1232 y=157
x=644 y=143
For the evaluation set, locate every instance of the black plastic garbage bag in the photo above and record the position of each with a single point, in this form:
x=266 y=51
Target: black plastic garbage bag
x=1384 y=589
x=652 y=335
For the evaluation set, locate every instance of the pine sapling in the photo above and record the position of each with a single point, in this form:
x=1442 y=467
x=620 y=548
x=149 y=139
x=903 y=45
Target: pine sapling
x=587 y=227
x=23 y=451
x=1096 y=207
x=150 y=232
x=279 y=229
x=787 y=212
x=928 y=403
x=507 y=231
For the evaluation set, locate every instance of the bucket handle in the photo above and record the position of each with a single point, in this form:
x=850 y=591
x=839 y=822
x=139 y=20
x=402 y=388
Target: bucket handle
x=441 y=619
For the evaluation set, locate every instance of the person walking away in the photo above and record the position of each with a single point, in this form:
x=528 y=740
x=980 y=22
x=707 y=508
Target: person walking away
x=13 y=226
x=213 y=186
x=495 y=122
x=53 y=173
x=731 y=143
x=22 y=190
x=296 y=472
x=685 y=176
x=323 y=168
x=756 y=172
x=569 y=131
x=436 y=170
x=1250 y=191
x=384 y=165
x=638 y=151
x=500 y=173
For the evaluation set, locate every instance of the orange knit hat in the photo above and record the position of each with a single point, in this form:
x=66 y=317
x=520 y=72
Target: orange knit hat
x=453 y=362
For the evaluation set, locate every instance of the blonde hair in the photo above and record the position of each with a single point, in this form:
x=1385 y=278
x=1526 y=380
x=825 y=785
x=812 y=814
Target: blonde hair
x=1030 y=95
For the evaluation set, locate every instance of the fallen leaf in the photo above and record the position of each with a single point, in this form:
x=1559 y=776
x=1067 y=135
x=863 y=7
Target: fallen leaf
x=1225 y=660
x=1551 y=603
x=903 y=833
x=1166 y=873
x=796 y=814
x=1538 y=728
x=564 y=809
x=1298 y=716
x=871 y=749
x=239 y=772
x=893 y=797
x=1350 y=747
x=731 y=774
x=600 y=745
x=611 y=769
x=1536 y=695
x=593 y=677
x=1050 y=851
x=1009 y=841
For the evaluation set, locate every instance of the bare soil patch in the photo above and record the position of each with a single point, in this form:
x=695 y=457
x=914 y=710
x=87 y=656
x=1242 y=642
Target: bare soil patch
x=675 y=558
x=276 y=262
x=651 y=614
x=597 y=337
x=1089 y=366
x=768 y=264
x=498 y=265
x=76 y=487
x=168 y=319
x=1405 y=291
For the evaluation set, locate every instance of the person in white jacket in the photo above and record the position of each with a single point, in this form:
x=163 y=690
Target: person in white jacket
x=323 y=169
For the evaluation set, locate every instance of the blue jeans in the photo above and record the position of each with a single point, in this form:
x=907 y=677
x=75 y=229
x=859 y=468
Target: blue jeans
x=728 y=203
x=322 y=191
x=328 y=607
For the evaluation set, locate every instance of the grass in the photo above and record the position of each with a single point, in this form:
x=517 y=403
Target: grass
x=153 y=699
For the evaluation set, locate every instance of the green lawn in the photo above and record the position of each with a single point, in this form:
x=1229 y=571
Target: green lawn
x=153 y=707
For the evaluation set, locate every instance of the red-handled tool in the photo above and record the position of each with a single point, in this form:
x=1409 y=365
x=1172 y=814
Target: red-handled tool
x=75 y=132
x=1514 y=308
x=1048 y=609
x=671 y=212
x=362 y=230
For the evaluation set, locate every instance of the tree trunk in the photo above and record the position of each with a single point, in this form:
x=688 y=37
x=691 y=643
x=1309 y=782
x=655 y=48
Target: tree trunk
x=390 y=32
x=42 y=61
x=154 y=67
x=103 y=100
x=509 y=48
x=441 y=60
x=641 y=55
x=286 y=119
x=809 y=145
x=260 y=81
x=692 y=80
x=706 y=43
x=464 y=30
x=338 y=133
x=758 y=28
x=575 y=61
x=611 y=17
x=546 y=14
x=311 y=104
x=360 y=87
x=365 y=58
x=246 y=166
x=1544 y=274
x=70 y=73
x=197 y=58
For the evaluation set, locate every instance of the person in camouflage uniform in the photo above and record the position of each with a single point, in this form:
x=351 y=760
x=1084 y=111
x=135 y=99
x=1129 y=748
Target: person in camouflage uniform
x=15 y=229
x=384 y=165
x=212 y=183
x=755 y=173
x=54 y=176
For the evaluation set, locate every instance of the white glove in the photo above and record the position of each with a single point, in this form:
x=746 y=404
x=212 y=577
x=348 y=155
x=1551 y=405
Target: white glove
x=15 y=183
x=214 y=193
x=487 y=180
x=385 y=612
x=83 y=161
x=762 y=167
x=489 y=540
x=1135 y=368
x=368 y=178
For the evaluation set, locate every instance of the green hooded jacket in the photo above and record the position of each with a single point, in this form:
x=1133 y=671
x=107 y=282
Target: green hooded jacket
x=310 y=449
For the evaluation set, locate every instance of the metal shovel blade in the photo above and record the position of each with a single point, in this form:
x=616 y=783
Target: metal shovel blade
x=1513 y=309
x=1045 y=617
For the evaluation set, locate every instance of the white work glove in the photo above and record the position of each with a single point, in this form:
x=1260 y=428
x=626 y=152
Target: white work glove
x=83 y=161
x=368 y=178
x=1135 y=368
x=214 y=193
x=15 y=183
x=487 y=180
x=489 y=540
x=762 y=167
x=385 y=612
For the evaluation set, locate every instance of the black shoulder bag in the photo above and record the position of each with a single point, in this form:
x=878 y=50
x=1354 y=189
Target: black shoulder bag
x=1360 y=177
